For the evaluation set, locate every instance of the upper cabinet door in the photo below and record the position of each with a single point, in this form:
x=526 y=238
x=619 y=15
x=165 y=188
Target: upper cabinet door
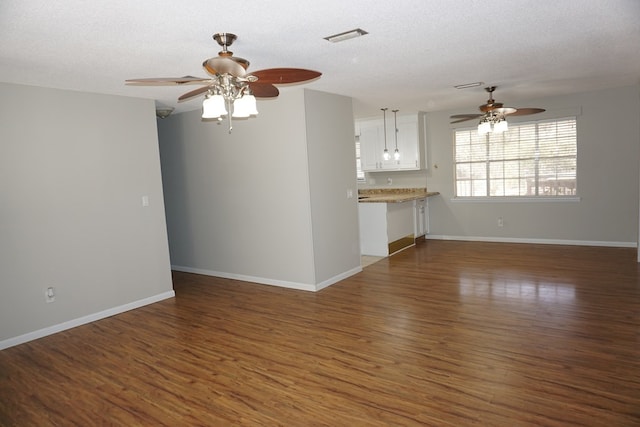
x=372 y=145
x=369 y=134
x=408 y=134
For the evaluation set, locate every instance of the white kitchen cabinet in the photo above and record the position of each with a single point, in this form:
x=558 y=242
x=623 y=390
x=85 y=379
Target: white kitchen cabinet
x=385 y=228
x=371 y=139
x=411 y=142
x=411 y=137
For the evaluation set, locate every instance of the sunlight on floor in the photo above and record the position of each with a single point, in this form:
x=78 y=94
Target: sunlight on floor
x=368 y=260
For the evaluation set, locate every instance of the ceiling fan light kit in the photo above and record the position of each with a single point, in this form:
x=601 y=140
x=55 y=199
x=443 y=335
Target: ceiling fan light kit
x=494 y=115
x=231 y=91
x=492 y=122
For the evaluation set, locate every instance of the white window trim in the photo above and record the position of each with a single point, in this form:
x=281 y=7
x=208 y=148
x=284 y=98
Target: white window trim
x=515 y=199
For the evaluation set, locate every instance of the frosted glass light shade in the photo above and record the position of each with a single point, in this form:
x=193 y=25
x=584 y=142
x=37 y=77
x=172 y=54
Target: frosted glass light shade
x=240 y=109
x=484 y=127
x=251 y=104
x=501 y=126
x=386 y=155
x=245 y=107
x=396 y=154
x=213 y=107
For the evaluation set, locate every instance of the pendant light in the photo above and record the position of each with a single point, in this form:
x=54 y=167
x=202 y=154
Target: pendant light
x=396 y=153
x=385 y=153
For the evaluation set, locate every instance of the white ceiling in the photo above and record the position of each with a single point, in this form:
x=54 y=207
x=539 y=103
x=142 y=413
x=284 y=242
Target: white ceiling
x=414 y=54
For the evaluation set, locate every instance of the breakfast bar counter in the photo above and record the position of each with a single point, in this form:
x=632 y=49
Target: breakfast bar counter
x=393 y=195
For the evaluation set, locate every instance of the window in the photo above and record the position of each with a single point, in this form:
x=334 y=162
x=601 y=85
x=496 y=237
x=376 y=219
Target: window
x=359 y=171
x=529 y=160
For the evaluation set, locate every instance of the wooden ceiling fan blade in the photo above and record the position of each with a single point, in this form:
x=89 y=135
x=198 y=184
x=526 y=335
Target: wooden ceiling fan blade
x=526 y=111
x=264 y=90
x=285 y=75
x=459 y=116
x=168 y=80
x=464 y=117
x=193 y=93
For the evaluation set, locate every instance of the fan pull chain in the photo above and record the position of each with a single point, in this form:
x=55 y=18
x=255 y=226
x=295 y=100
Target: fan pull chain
x=229 y=115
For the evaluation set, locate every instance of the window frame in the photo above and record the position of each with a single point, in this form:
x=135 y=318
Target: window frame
x=490 y=160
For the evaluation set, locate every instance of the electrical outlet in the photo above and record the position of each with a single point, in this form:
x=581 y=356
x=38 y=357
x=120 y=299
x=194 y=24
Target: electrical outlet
x=389 y=181
x=500 y=222
x=50 y=294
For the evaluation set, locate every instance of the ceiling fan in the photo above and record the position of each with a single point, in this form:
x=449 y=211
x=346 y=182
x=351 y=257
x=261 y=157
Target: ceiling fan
x=493 y=111
x=230 y=82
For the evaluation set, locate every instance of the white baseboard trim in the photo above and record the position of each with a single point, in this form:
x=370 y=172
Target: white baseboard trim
x=270 y=282
x=337 y=278
x=534 y=241
x=246 y=278
x=40 y=333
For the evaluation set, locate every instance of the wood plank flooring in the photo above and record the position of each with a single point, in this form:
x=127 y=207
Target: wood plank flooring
x=443 y=334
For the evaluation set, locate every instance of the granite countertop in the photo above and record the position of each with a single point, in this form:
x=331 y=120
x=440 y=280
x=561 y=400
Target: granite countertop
x=393 y=195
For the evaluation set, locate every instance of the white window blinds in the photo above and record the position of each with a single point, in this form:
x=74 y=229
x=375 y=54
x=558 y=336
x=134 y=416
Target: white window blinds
x=530 y=159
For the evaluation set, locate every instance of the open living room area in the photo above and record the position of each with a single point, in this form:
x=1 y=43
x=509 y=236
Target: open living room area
x=337 y=213
x=444 y=333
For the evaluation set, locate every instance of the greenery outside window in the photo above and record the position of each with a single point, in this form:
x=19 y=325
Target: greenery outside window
x=534 y=159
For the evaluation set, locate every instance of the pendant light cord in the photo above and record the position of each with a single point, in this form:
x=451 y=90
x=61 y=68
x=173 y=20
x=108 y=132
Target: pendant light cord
x=395 y=126
x=384 y=122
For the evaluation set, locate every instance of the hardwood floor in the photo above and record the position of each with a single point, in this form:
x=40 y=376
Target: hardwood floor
x=443 y=334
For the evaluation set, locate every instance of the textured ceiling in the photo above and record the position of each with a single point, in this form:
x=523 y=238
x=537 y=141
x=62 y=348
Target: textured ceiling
x=414 y=54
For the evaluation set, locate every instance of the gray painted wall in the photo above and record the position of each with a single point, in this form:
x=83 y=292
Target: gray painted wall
x=73 y=169
x=608 y=176
x=240 y=205
x=332 y=160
